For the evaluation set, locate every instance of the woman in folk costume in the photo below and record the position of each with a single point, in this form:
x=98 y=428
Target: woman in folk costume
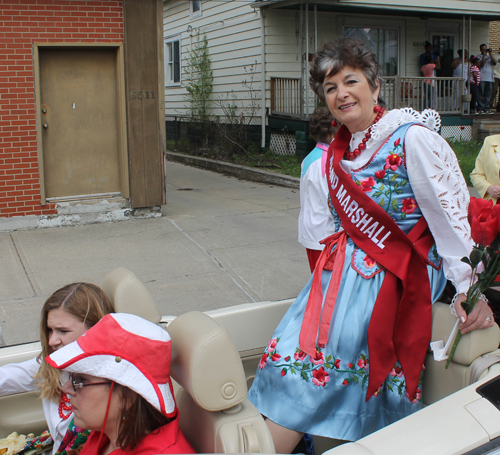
x=347 y=357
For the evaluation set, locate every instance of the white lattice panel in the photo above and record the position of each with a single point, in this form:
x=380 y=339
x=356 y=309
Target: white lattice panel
x=283 y=143
x=463 y=132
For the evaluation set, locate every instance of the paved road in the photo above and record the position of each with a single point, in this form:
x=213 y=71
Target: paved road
x=221 y=241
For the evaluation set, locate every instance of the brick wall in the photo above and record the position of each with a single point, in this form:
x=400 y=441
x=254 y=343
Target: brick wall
x=23 y=22
x=495 y=35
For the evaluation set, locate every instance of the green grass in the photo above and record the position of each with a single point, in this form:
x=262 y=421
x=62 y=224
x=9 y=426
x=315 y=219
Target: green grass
x=268 y=161
x=466 y=152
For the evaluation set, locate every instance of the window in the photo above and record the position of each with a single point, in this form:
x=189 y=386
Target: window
x=195 y=8
x=173 y=60
x=383 y=41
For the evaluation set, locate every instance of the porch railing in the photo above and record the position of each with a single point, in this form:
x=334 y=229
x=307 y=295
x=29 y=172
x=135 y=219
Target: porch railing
x=444 y=94
x=286 y=96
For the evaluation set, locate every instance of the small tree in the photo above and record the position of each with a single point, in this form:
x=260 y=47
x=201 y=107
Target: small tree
x=199 y=78
x=233 y=125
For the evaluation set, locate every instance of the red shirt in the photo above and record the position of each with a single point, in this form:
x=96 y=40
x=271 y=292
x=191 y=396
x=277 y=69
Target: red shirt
x=475 y=69
x=428 y=71
x=167 y=439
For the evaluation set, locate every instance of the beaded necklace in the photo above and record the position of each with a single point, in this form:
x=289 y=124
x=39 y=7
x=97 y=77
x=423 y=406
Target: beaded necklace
x=65 y=407
x=348 y=155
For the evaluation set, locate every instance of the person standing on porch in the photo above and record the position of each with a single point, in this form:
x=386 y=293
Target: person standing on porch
x=347 y=357
x=429 y=51
x=315 y=218
x=460 y=66
x=496 y=76
x=486 y=63
x=475 y=80
x=429 y=70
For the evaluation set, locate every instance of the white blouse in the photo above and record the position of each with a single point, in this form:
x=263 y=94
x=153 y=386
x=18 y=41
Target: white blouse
x=19 y=378
x=437 y=181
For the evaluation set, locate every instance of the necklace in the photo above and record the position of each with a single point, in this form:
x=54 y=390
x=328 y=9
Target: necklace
x=348 y=155
x=65 y=407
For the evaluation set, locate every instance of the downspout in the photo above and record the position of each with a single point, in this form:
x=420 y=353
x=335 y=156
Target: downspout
x=470 y=50
x=301 y=38
x=315 y=40
x=462 y=83
x=306 y=63
x=315 y=28
x=262 y=78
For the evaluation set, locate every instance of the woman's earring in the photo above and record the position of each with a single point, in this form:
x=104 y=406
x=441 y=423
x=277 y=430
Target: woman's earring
x=334 y=123
x=377 y=109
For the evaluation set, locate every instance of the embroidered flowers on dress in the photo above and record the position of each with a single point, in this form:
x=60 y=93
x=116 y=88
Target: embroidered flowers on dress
x=409 y=205
x=389 y=183
x=319 y=358
x=319 y=371
x=270 y=353
x=368 y=262
x=320 y=377
x=393 y=161
x=367 y=184
x=299 y=354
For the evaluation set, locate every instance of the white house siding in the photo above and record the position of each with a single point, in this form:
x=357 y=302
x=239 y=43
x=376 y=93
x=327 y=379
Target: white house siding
x=282 y=43
x=413 y=32
x=283 y=46
x=233 y=33
x=234 y=38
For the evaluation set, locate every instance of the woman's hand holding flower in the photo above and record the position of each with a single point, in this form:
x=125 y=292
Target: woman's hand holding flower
x=484 y=261
x=481 y=316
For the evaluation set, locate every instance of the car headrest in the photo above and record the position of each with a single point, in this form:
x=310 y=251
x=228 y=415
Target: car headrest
x=128 y=295
x=472 y=345
x=206 y=363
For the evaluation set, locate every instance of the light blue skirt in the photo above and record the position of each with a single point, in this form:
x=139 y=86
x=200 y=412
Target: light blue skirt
x=327 y=396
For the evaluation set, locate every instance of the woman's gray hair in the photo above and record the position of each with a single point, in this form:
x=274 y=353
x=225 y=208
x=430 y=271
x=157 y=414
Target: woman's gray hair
x=338 y=54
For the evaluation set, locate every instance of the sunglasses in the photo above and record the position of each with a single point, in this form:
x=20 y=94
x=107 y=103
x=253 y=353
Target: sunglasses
x=80 y=385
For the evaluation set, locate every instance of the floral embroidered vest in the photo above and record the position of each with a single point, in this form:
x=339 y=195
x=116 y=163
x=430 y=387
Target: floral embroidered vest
x=385 y=179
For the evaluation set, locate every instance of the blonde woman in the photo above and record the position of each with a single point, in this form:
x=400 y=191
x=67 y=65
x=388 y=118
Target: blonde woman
x=68 y=313
x=485 y=176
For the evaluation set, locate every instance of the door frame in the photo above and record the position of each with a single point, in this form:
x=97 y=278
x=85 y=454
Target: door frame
x=122 y=116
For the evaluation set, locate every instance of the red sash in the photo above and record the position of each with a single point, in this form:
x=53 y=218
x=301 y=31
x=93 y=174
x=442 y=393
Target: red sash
x=401 y=322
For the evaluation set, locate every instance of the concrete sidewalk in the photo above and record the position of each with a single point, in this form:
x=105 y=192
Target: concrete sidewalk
x=221 y=241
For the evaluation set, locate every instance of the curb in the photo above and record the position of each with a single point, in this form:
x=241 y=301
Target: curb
x=235 y=170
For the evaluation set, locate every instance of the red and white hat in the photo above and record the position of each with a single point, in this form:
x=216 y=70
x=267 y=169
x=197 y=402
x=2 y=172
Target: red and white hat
x=128 y=350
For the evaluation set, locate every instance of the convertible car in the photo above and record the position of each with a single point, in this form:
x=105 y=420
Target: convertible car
x=216 y=354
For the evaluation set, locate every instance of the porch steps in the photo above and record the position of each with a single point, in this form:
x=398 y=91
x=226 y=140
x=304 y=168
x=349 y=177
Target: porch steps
x=485 y=125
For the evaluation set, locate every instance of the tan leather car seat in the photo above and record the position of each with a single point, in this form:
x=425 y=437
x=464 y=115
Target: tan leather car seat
x=215 y=414
x=469 y=363
x=129 y=295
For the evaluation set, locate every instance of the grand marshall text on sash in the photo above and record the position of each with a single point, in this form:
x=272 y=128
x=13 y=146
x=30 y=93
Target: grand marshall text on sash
x=365 y=223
